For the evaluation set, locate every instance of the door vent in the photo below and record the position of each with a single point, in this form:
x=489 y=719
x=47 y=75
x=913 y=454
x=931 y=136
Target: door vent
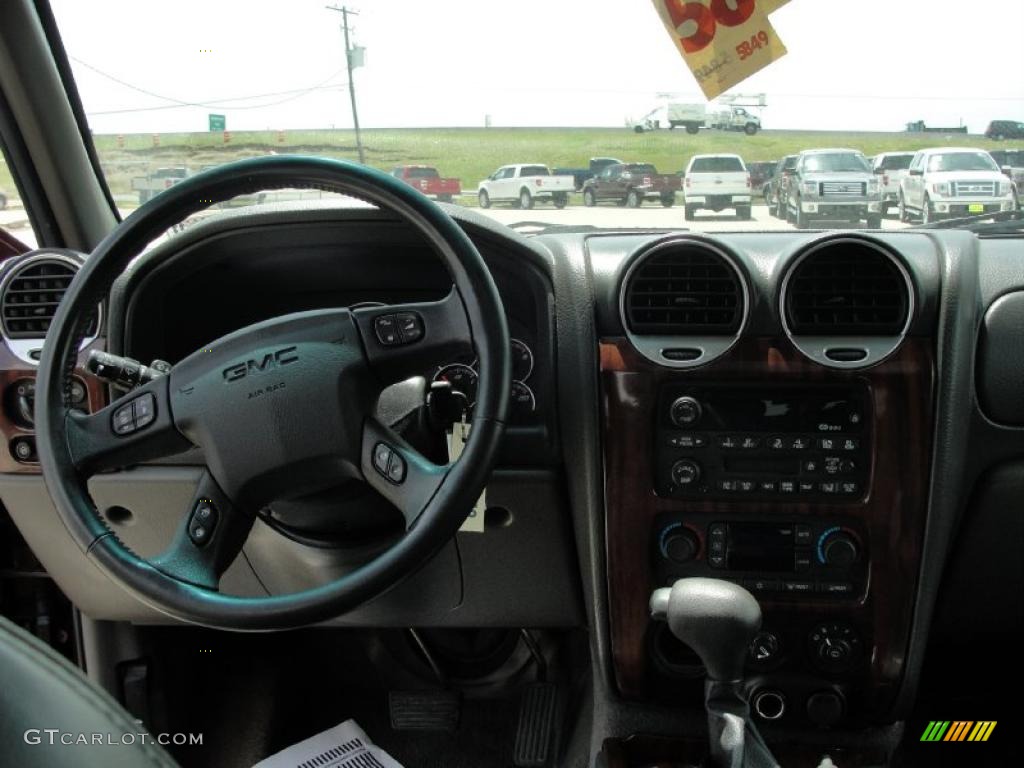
x=683 y=289
x=847 y=287
x=31 y=294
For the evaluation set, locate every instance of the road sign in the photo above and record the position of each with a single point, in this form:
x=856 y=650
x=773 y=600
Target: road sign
x=217 y=122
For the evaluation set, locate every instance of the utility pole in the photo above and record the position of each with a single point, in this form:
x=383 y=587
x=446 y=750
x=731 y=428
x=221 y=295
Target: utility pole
x=345 y=12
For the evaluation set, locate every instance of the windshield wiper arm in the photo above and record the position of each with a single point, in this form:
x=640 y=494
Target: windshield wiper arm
x=970 y=222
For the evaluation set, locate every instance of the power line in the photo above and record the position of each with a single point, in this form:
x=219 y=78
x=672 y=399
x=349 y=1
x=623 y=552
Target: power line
x=219 y=103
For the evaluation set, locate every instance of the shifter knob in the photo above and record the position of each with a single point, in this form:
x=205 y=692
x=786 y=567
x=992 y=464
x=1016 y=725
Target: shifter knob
x=716 y=618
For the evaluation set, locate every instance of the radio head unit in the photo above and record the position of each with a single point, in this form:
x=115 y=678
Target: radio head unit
x=744 y=441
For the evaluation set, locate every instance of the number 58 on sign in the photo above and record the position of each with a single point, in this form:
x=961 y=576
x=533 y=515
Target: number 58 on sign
x=723 y=41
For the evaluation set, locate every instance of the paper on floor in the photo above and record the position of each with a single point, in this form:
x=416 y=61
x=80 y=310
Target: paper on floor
x=343 y=746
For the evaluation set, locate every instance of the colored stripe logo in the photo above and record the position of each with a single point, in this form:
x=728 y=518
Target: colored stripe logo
x=958 y=730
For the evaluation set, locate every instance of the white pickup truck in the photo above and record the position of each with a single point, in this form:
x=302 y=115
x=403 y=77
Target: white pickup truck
x=523 y=185
x=948 y=182
x=716 y=182
x=891 y=167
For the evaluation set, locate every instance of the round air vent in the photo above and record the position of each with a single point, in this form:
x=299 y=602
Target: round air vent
x=683 y=302
x=29 y=295
x=847 y=302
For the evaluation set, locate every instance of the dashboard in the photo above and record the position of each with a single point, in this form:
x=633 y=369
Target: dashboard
x=813 y=416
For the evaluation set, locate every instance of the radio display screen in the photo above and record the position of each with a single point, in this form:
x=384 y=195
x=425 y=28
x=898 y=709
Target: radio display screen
x=761 y=547
x=789 y=465
x=781 y=410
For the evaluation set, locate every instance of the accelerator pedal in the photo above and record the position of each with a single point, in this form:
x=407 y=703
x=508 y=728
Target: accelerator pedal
x=537 y=732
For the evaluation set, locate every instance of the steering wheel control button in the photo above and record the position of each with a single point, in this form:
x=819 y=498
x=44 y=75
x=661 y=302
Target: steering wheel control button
x=203 y=522
x=410 y=326
x=145 y=410
x=123 y=420
x=387 y=330
x=396 y=468
x=389 y=463
x=381 y=458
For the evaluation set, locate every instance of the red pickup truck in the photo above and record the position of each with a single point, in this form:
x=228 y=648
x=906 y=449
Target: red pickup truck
x=428 y=181
x=630 y=184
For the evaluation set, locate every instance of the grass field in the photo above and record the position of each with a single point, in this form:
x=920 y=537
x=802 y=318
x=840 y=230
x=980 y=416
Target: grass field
x=471 y=154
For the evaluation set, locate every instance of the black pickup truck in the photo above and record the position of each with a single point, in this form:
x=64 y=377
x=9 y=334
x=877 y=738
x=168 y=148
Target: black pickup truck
x=580 y=175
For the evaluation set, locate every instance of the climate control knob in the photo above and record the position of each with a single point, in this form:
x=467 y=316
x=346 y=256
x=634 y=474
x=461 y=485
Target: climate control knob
x=839 y=548
x=679 y=545
x=685 y=472
x=685 y=411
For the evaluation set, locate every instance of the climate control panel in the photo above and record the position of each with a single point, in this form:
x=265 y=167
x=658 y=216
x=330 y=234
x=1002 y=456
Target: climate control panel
x=823 y=559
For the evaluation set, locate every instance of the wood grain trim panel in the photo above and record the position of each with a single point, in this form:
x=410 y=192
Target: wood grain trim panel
x=13 y=369
x=894 y=511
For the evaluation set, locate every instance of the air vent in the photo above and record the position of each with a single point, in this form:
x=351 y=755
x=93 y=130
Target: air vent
x=31 y=295
x=847 y=288
x=683 y=289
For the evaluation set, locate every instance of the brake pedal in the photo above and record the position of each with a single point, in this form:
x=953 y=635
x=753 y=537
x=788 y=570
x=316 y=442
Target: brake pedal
x=424 y=710
x=537 y=732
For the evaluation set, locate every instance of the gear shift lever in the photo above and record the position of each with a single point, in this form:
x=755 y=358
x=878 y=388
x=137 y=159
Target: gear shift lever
x=719 y=620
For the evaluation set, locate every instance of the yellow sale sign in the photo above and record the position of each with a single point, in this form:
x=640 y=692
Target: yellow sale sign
x=723 y=41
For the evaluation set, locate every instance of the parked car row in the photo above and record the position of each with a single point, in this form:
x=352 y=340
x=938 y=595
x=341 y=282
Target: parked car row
x=930 y=184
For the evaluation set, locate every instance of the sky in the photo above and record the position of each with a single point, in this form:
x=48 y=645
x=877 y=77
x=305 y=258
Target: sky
x=851 y=65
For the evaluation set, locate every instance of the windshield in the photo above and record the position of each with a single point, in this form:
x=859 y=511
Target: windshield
x=716 y=165
x=895 y=162
x=962 y=161
x=836 y=162
x=640 y=168
x=171 y=89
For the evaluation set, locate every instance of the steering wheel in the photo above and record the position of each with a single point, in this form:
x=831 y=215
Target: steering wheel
x=280 y=404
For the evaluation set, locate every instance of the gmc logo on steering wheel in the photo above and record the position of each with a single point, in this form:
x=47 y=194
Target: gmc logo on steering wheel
x=268 y=362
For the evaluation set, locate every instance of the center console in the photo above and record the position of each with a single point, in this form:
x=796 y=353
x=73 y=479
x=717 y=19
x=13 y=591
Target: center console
x=806 y=485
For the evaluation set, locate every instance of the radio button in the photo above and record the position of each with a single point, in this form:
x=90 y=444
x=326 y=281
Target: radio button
x=747 y=486
x=832 y=465
x=768 y=486
x=762 y=585
x=798 y=587
x=827 y=443
x=800 y=443
x=727 y=441
x=787 y=486
x=729 y=486
x=803 y=534
x=849 y=488
x=749 y=442
x=776 y=443
x=836 y=588
x=801 y=563
x=687 y=441
x=849 y=444
x=806 y=486
x=811 y=466
x=685 y=472
x=685 y=410
x=829 y=487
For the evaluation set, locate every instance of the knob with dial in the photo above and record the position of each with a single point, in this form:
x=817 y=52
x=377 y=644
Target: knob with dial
x=679 y=544
x=685 y=411
x=838 y=547
x=685 y=472
x=834 y=646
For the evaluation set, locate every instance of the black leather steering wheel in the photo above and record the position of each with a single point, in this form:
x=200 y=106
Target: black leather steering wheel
x=281 y=404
